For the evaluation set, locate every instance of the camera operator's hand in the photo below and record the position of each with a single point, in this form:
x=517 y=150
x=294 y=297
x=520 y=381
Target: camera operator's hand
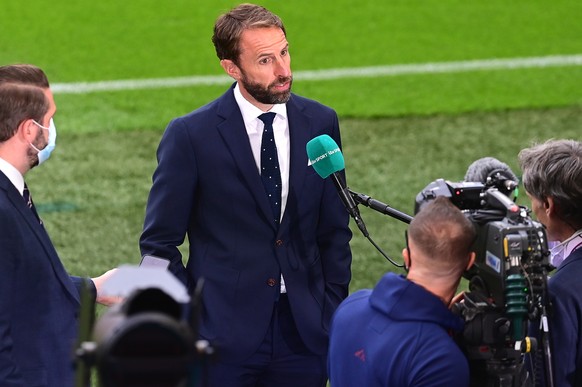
x=101 y=298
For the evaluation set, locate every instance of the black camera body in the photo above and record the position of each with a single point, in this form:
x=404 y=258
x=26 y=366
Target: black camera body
x=149 y=339
x=507 y=283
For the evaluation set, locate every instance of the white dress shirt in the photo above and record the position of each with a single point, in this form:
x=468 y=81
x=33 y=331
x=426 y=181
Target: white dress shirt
x=254 y=127
x=12 y=174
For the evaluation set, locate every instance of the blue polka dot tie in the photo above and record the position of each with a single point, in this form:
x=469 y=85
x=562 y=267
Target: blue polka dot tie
x=270 y=173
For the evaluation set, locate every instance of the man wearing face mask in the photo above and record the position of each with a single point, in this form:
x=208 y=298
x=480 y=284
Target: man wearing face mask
x=552 y=178
x=39 y=301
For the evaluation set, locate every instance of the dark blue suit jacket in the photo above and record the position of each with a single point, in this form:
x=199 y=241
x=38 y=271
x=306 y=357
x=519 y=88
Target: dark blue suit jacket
x=565 y=326
x=39 y=301
x=565 y=288
x=207 y=186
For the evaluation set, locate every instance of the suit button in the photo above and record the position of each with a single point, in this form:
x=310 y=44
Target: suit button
x=271 y=282
x=279 y=243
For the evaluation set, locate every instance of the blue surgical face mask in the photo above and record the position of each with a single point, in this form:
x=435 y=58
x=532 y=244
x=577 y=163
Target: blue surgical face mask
x=45 y=153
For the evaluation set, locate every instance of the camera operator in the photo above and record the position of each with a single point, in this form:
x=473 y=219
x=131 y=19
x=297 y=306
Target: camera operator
x=398 y=333
x=552 y=178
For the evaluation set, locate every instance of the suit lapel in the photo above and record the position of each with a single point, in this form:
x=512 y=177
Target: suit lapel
x=39 y=232
x=300 y=132
x=234 y=134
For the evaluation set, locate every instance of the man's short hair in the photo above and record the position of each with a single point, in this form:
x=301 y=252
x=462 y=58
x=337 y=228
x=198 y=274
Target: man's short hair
x=554 y=169
x=230 y=26
x=443 y=234
x=21 y=97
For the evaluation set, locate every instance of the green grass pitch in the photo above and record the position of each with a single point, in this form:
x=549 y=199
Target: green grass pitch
x=399 y=132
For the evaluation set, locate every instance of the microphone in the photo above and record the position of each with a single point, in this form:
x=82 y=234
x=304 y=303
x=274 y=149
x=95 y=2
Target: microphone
x=326 y=158
x=492 y=173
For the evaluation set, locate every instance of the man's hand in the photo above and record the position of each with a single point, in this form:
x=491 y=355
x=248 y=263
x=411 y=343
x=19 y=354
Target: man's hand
x=105 y=299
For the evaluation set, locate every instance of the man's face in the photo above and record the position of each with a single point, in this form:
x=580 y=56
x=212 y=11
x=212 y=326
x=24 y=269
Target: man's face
x=539 y=209
x=264 y=67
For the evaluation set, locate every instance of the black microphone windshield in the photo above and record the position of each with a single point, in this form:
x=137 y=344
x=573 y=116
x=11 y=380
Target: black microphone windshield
x=492 y=172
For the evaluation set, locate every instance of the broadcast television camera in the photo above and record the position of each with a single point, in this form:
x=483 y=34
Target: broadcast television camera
x=507 y=283
x=150 y=339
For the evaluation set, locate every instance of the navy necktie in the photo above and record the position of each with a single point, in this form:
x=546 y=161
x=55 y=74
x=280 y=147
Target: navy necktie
x=270 y=173
x=29 y=202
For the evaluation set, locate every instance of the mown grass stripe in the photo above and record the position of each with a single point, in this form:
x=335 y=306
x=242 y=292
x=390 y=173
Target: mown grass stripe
x=328 y=74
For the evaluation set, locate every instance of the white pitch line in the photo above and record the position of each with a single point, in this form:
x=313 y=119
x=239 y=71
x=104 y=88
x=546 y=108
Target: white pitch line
x=319 y=75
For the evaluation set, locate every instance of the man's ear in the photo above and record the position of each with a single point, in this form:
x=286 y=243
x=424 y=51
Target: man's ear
x=27 y=130
x=471 y=260
x=230 y=68
x=549 y=206
x=406 y=257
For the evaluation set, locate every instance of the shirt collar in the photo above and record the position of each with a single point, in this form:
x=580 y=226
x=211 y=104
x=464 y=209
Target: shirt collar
x=12 y=174
x=250 y=112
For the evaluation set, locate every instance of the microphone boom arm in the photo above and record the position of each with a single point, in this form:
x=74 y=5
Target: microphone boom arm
x=379 y=206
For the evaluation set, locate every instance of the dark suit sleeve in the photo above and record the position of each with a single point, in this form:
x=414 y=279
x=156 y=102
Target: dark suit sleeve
x=170 y=199
x=79 y=283
x=565 y=326
x=9 y=373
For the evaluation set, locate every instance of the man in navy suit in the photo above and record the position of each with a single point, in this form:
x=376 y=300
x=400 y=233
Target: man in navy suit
x=552 y=178
x=274 y=271
x=39 y=301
